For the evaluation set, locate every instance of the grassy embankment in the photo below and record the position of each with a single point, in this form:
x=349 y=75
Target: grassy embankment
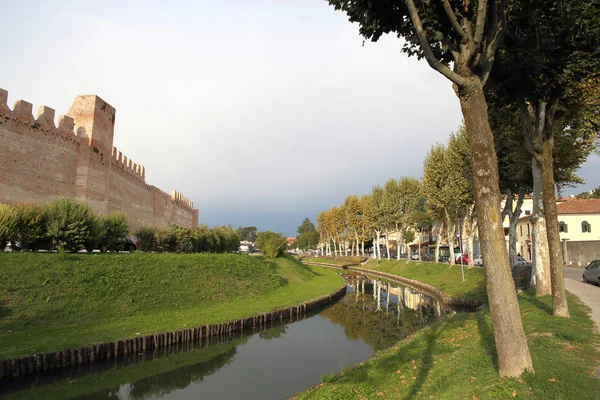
x=456 y=359
x=442 y=276
x=341 y=260
x=51 y=302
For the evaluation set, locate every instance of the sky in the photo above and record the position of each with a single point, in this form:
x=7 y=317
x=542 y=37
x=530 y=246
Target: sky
x=261 y=112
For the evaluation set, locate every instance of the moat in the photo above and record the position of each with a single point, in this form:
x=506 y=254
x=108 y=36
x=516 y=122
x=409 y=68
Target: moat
x=271 y=363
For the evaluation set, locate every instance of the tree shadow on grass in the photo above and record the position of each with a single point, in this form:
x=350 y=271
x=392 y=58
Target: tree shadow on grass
x=427 y=359
x=531 y=298
x=487 y=337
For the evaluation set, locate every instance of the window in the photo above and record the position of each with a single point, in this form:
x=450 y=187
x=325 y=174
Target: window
x=527 y=212
x=586 y=227
x=562 y=227
x=528 y=231
x=521 y=230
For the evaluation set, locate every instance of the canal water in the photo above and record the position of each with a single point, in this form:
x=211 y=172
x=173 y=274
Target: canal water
x=271 y=363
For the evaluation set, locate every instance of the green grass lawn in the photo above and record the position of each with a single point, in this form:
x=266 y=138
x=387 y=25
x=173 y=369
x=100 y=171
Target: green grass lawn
x=51 y=302
x=341 y=260
x=455 y=359
x=442 y=276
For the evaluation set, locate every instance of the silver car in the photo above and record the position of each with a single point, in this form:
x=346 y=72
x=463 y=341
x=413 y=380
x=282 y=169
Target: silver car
x=592 y=272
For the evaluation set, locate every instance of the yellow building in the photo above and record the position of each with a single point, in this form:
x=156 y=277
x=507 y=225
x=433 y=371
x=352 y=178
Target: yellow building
x=579 y=227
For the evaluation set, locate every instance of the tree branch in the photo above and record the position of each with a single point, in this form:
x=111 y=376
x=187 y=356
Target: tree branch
x=507 y=204
x=498 y=27
x=480 y=28
x=431 y=60
x=525 y=118
x=454 y=21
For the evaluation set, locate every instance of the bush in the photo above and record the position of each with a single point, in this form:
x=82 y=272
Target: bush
x=147 y=238
x=114 y=231
x=271 y=244
x=69 y=224
x=229 y=240
x=31 y=230
x=8 y=224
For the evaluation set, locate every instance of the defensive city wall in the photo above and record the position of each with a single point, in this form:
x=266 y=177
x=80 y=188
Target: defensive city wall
x=41 y=160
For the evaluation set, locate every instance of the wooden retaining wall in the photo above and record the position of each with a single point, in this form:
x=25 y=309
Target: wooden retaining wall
x=15 y=367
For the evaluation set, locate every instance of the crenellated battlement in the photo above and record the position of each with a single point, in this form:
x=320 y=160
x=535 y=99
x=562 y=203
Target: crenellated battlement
x=181 y=199
x=120 y=160
x=22 y=112
x=43 y=157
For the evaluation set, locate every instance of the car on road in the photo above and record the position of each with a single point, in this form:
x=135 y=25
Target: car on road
x=521 y=261
x=462 y=259
x=478 y=261
x=414 y=256
x=592 y=272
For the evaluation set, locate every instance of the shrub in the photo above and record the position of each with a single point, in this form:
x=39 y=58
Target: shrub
x=147 y=238
x=94 y=238
x=229 y=240
x=184 y=239
x=69 y=224
x=31 y=230
x=8 y=224
x=114 y=231
x=200 y=238
x=271 y=244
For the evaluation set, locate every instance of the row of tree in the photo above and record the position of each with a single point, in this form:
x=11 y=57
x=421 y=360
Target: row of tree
x=202 y=239
x=531 y=66
x=63 y=224
x=69 y=225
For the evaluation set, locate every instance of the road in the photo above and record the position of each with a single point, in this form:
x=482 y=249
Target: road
x=589 y=294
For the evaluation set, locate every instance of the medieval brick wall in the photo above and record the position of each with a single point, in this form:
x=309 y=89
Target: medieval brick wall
x=40 y=161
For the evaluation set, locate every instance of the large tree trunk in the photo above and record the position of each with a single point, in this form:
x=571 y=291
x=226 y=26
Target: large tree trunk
x=387 y=244
x=559 y=296
x=378 y=248
x=471 y=243
x=450 y=231
x=513 y=221
x=437 y=243
x=471 y=228
x=539 y=238
x=398 y=244
x=511 y=344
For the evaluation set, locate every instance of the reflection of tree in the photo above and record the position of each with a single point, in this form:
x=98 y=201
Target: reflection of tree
x=357 y=314
x=273 y=333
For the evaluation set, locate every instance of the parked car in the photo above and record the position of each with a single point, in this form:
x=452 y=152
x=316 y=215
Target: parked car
x=478 y=261
x=131 y=243
x=521 y=261
x=462 y=259
x=414 y=256
x=592 y=272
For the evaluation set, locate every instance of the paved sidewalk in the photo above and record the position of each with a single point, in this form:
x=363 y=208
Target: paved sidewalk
x=589 y=294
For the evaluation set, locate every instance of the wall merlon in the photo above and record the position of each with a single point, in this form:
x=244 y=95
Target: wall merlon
x=66 y=125
x=181 y=199
x=45 y=118
x=4 y=110
x=22 y=111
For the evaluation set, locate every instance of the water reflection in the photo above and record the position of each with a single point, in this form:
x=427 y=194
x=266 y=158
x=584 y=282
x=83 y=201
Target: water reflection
x=272 y=363
x=380 y=313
